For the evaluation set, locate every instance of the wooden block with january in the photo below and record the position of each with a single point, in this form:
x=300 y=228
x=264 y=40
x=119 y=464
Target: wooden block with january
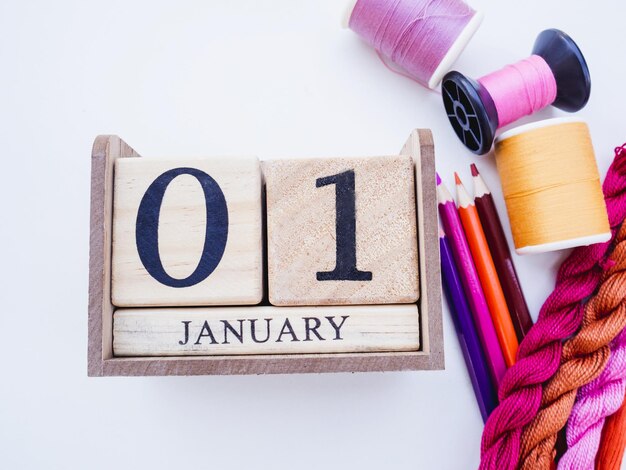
x=341 y=231
x=265 y=330
x=187 y=232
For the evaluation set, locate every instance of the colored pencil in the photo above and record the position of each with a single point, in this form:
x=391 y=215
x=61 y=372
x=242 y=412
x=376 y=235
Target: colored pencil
x=466 y=331
x=487 y=274
x=486 y=207
x=471 y=284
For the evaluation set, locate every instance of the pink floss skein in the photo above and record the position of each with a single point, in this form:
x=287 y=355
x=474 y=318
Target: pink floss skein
x=539 y=354
x=594 y=403
x=414 y=34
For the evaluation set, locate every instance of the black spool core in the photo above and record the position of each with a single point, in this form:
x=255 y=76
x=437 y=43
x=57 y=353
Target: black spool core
x=471 y=110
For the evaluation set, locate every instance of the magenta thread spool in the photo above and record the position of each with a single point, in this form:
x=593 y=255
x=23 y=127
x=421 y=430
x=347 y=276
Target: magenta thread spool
x=421 y=38
x=555 y=74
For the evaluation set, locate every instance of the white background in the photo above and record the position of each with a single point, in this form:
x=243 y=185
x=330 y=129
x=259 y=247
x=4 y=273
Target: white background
x=192 y=78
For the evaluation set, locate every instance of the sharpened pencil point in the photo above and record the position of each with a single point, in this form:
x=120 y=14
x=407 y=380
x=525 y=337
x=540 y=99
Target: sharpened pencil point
x=457 y=180
x=474 y=170
x=438 y=179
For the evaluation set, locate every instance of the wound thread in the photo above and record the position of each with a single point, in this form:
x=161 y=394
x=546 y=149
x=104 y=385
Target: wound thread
x=551 y=186
x=520 y=89
x=415 y=35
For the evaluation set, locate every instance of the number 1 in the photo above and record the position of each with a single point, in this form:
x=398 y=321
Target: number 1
x=345 y=228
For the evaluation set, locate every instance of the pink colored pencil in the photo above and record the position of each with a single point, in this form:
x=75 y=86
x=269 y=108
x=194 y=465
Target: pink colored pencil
x=471 y=283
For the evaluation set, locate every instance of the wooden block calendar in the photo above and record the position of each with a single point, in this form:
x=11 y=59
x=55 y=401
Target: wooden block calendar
x=191 y=240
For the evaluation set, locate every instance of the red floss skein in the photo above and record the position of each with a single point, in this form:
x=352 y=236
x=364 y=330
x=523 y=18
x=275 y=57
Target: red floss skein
x=613 y=441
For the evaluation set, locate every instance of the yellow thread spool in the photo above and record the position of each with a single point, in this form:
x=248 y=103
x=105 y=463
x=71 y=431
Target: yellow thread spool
x=551 y=186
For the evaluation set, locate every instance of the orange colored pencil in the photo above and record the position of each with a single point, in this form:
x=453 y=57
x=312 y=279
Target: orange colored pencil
x=487 y=274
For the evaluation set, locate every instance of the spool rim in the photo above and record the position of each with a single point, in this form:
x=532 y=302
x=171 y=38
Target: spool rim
x=455 y=50
x=568 y=66
x=470 y=110
x=538 y=125
x=564 y=244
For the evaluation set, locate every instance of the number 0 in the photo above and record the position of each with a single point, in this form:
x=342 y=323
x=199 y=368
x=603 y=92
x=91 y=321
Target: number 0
x=215 y=236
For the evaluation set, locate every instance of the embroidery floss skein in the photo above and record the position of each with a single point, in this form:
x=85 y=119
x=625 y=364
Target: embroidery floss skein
x=551 y=186
x=422 y=37
x=556 y=73
x=539 y=353
x=602 y=398
x=584 y=358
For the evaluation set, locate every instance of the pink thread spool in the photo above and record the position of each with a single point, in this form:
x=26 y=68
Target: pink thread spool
x=556 y=73
x=421 y=37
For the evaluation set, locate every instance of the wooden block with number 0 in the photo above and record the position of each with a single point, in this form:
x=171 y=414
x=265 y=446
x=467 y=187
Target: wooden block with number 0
x=341 y=231
x=187 y=232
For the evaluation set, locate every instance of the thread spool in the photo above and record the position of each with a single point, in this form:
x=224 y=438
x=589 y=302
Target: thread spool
x=556 y=73
x=423 y=38
x=551 y=186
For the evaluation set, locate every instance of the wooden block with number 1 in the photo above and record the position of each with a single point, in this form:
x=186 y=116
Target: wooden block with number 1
x=341 y=231
x=187 y=232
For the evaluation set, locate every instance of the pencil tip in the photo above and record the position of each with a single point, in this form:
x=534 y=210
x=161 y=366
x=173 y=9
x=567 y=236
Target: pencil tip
x=457 y=180
x=438 y=179
x=474 y=170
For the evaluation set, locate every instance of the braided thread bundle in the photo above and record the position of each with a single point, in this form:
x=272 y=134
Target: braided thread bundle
x=584 y=358
x=539 y=354
x=589 y=433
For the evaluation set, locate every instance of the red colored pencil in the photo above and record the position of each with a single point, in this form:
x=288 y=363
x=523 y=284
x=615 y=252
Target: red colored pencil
x=502 y=259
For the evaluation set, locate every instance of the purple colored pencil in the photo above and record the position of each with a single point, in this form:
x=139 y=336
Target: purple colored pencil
x=466 y=331
x=471 y=283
